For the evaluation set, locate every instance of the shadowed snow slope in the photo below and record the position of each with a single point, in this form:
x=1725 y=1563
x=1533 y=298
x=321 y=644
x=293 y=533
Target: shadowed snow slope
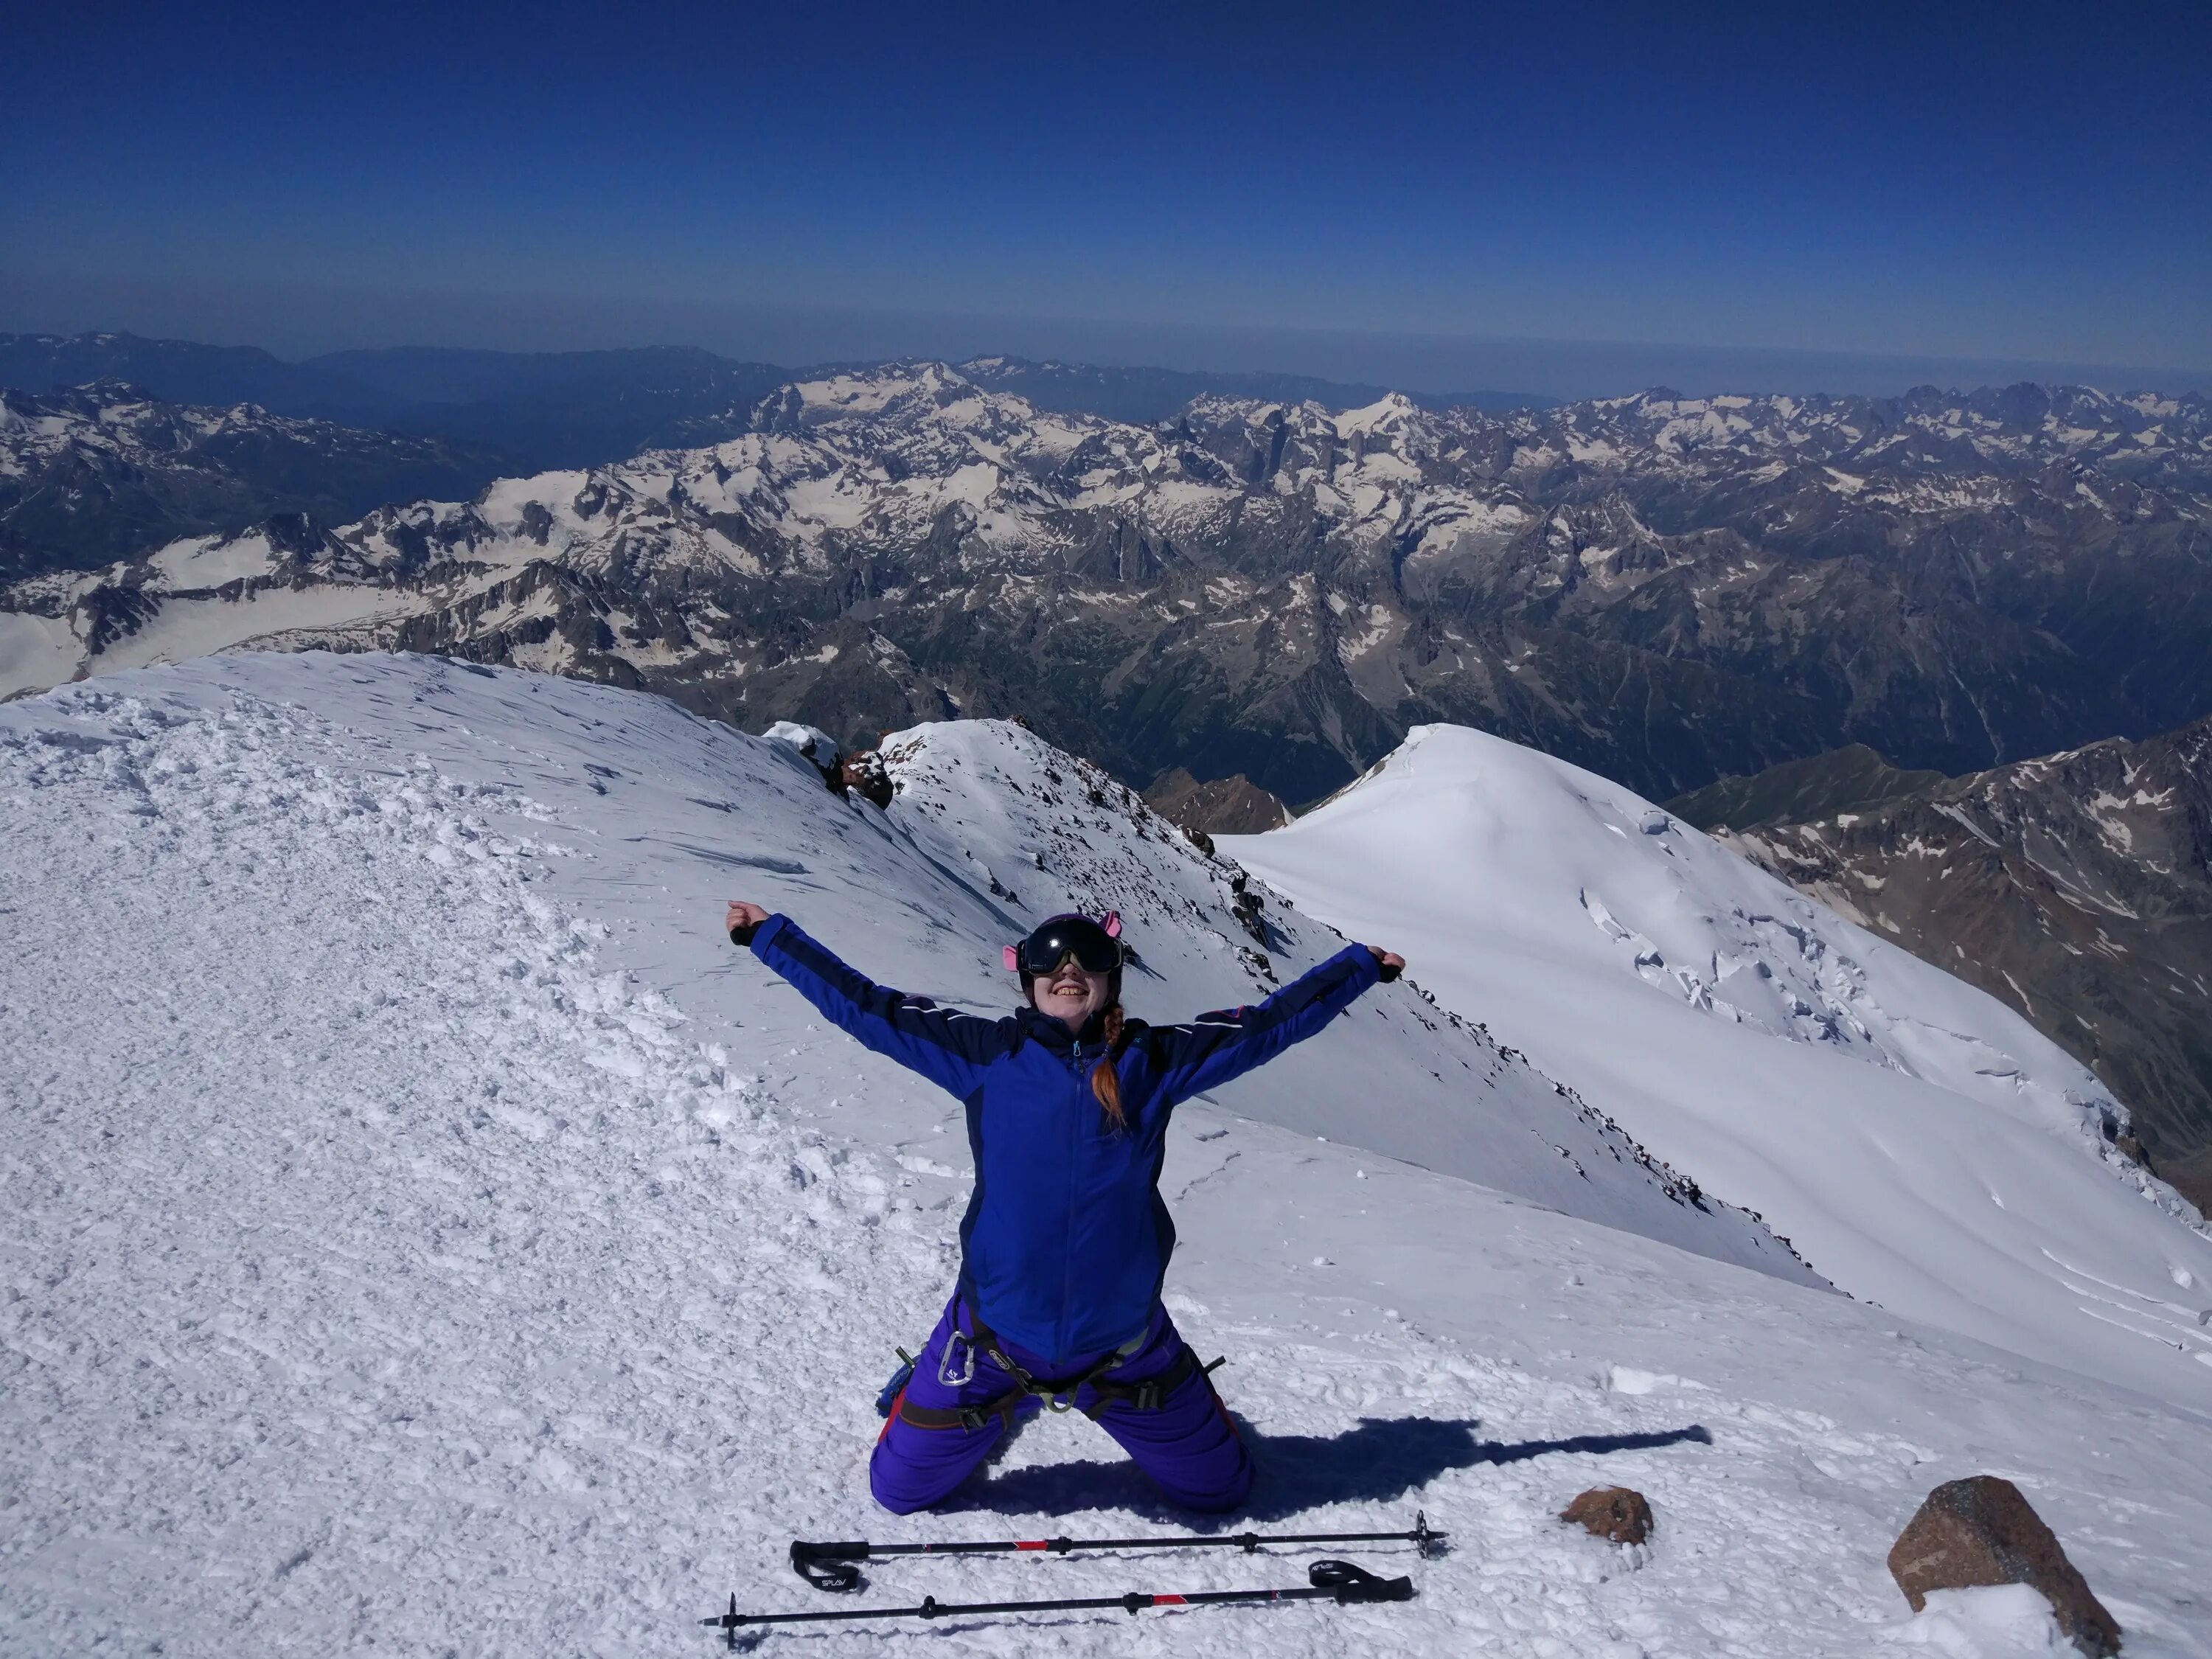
x=1923 y=1146
x=425 y=1233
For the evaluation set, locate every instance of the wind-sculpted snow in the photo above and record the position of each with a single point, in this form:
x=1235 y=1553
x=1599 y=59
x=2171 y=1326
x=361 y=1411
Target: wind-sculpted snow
x=424 y=1234
x=1919 y=1142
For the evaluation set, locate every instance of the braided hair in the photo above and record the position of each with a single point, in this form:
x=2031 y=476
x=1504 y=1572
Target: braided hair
x=1105 y=1079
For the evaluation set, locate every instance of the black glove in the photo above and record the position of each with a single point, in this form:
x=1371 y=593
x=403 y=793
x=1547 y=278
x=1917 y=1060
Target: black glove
x=742 y=935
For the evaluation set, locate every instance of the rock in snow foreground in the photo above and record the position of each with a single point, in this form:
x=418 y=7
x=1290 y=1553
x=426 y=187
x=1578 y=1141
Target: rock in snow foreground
x=1980 y=1533
x=426 y=1232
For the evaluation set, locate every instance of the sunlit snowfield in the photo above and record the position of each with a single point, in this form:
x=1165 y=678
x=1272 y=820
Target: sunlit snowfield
x=424 y=1233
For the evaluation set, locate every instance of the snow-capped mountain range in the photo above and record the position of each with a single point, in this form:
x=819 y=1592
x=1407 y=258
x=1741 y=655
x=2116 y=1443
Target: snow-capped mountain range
x=1666 y=589
x=103 y=472
x=422 y=1222
x=566 y=409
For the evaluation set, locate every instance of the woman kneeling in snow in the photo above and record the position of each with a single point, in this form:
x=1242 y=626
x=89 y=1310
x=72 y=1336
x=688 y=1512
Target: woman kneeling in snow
x=1066 y=1242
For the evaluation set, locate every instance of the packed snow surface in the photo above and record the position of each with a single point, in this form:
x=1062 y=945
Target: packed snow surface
x=1922 y=1145
x=423 y=1233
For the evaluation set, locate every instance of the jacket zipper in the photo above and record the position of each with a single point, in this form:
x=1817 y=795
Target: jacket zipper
x=1074 y=1186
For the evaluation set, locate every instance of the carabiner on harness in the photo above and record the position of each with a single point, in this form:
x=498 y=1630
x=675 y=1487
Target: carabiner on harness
x=967 y=1375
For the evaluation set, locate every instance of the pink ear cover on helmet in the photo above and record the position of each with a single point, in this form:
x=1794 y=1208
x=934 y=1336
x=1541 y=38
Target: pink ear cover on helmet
x=1014 y=960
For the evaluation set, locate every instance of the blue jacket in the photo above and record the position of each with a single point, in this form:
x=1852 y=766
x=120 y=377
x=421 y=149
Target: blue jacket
x=1067 y=1238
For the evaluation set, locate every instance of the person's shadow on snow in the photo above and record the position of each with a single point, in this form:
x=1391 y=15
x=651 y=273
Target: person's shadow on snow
x=1382 y=1458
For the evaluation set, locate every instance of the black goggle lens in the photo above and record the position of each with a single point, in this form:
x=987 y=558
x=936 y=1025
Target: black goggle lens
x=1094 y=951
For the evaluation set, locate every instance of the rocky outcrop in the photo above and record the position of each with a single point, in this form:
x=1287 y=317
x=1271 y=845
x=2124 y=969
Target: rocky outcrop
x=867 y=776
x=2076 y=887
x=1980 y=1532
x=848 y=772
x=815 y=746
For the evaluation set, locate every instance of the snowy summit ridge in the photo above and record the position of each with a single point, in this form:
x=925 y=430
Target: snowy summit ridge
x=1920 y=1142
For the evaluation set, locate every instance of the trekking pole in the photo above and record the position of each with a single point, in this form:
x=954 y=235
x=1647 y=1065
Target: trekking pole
x=1341 y=1581
x=835 y=1566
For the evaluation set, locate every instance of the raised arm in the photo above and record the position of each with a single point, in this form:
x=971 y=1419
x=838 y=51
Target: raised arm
x=949 y=1048
x=1215 y=1048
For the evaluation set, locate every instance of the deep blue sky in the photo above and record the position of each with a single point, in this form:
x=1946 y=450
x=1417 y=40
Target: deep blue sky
x=2018 y=181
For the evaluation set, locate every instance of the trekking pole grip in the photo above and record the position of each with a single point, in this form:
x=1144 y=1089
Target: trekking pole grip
x=1353 y=1583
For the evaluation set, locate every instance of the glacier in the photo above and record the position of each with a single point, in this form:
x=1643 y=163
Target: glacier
x=1922 y=1145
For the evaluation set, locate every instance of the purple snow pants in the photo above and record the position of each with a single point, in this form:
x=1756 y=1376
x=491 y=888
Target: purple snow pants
x=1187 y=1444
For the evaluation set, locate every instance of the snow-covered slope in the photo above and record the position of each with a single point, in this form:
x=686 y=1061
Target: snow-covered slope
x=425 y=1233
x=1920 y=1143
x=1044 y=832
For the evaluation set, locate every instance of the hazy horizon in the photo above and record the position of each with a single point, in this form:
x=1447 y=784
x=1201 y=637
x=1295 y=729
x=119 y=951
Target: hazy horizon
x=1587 y=200
x=303 y=323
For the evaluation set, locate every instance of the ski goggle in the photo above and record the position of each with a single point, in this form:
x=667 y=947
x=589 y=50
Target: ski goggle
x=1095 y=946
